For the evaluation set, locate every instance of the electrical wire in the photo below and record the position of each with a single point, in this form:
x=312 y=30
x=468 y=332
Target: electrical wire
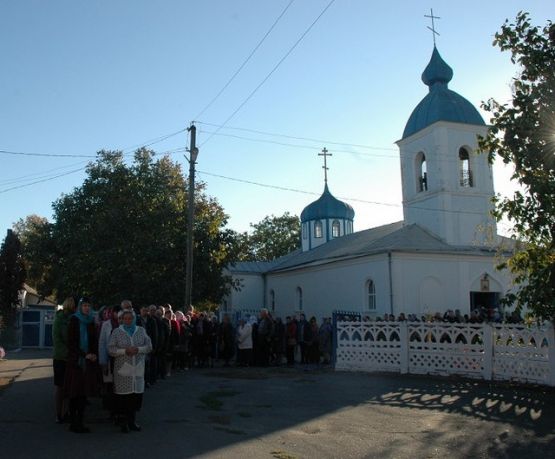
x=46 y=178
x=244 y=62
x=54 y=155
x=309 y=139
x=253 y=92
x=307 y=147
x=40 y=174
x=5 y=190
x=296 y=190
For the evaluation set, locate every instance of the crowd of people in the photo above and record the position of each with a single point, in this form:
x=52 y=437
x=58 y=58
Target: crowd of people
x=477 y=316
x=118 y=352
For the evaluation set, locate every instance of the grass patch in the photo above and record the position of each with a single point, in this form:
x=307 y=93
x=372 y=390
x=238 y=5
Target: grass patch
x=282 y=455
x=244 y=414
x=211 y=400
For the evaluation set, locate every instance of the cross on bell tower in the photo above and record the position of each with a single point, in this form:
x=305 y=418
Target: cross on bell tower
x=325 y=154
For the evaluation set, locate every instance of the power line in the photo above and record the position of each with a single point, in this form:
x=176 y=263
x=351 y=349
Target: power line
x=286 y=144
x=296 y=190
x=50 y=177
x=56 y=155
x=245 y=61
x=271 y=71
x=41 y=174
x=42 y=180
x=309 y=139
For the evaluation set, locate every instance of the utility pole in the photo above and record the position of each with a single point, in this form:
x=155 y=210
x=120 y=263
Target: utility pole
x=193 y=154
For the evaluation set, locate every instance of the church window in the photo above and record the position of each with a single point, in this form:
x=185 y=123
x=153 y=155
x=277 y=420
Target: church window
x=371 y=295
x=335 y=228
x=273 y=300
x=299 y=298
x=422 y=172
x=464 y=169
x=318 y=229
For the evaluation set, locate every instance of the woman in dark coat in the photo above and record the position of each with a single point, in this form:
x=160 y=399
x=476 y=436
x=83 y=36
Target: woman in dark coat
x=227 y=340
x=81 y=378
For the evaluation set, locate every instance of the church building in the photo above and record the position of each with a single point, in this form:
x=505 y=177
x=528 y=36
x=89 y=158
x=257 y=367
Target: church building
x=441 y=256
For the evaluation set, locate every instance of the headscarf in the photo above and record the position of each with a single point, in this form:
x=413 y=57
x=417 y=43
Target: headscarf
x=129 y=329
x=84 y=321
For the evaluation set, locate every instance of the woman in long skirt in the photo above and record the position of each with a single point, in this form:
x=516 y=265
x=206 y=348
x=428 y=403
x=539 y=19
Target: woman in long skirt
x=81 y=376
x=129 y=344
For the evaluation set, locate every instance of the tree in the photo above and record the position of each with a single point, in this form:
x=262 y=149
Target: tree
x=122 y=234
x=523 y=134
x=38 y=250
x=12 y=277
x=271 y=238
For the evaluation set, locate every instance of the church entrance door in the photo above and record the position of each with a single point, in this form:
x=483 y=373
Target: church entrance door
x=485 y=300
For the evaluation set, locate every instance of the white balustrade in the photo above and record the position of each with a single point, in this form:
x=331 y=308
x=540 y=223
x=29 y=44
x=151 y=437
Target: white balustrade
x=500 y=352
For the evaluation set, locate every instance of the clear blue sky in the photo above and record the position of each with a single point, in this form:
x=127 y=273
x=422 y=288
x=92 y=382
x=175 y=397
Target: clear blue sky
x=79 y=76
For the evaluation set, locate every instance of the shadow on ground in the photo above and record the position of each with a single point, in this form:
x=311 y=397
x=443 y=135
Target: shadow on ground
x=292 y=413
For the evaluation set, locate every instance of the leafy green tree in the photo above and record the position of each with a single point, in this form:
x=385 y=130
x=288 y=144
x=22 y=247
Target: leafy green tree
x=523 y=134
x=34 y=232
x=12 y=277
x=272 y=237
x=122 y=234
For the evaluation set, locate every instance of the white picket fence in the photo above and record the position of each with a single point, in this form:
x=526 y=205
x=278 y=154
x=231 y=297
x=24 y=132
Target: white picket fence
x=490 y=352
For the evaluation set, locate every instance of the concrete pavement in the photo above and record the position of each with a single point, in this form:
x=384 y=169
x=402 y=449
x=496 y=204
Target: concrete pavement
x=286 y=413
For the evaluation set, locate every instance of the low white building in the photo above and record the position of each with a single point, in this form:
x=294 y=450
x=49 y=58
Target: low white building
x=442 y=256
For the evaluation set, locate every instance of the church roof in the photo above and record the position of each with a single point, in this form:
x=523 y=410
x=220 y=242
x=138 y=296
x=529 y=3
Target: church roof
x=327 y=206
x=394 y=237
x=440 y=104
x=258 y=267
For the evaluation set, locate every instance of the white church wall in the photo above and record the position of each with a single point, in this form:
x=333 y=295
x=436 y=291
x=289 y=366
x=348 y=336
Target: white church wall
x=250 y=295
x=340 y=285
x=428 y=283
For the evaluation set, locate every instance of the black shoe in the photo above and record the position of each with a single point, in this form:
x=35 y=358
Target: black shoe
x=134 y=427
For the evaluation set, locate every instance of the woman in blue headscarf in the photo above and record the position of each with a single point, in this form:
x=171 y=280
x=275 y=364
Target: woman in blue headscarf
x=81 y=378
x=129 y=344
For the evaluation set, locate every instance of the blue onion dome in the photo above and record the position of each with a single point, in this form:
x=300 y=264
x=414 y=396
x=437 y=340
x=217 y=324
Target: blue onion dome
x=327 y=207
x=440 y=104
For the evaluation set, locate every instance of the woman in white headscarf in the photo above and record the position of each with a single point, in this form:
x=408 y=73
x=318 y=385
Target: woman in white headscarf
x=129 y=344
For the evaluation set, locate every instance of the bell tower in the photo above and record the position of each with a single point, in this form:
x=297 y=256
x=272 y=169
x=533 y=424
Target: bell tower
x=447 y=186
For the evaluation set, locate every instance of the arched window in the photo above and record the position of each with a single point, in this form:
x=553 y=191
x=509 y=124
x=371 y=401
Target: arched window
x=370 y=295
x=318 y=229
x=273 y=300
x=299 y=298
x=421 y=172
x=335 y=228
x=465 y=172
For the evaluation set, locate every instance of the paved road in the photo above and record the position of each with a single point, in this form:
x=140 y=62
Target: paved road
x=285 y=414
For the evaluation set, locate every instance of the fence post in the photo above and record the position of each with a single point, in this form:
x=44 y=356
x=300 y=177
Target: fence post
x=404 y=350
x=487 y=334
x=334 y=340
x=550 y=332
